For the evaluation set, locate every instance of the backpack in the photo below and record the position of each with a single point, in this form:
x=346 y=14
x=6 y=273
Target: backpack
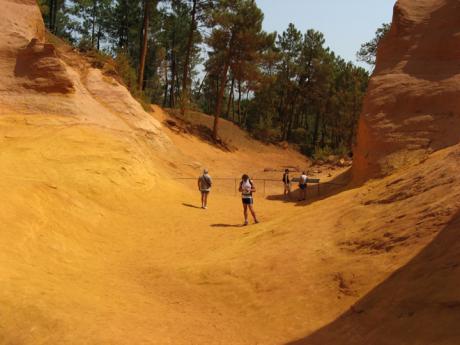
x=205 y=182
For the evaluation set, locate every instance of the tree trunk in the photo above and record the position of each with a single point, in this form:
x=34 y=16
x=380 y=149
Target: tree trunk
x=291 y=122
x=124 y=36
x=99 y=34
x=230 y=96
x=233 y=107
x=52 y=15
x=184 y=97
x=55 y=12
x=287 y=128
x=220 y=98
x=245 y=115
x=173 y=70
x=145 y=37
x=93 y=24
x=200 y=88
x=165 y=99
x=172 y=94
x=217 y=92
x=323 y=109
x=239 y=102
x=323 y=135
x=316 y=128
x=282 y=113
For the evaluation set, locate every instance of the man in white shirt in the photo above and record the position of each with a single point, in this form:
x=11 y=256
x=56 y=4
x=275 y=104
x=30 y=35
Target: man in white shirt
x=303 y=186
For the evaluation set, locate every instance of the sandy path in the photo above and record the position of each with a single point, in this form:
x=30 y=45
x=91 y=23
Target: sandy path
x=99 y=247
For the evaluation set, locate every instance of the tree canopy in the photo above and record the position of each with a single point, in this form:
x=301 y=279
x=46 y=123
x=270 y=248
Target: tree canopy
x=215 y=57
x=368 y=51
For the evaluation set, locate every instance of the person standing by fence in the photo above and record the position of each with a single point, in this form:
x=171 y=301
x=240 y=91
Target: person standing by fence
x=303 y=186
x=204 y=185
x=287 y=184
x=247 y=188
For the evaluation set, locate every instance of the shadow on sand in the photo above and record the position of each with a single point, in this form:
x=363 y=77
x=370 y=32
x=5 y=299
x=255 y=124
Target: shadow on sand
x=339 y=184
x=419 y=303
x=227 y=225
x=190 y=205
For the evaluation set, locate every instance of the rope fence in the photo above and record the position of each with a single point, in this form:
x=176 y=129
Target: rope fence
x=266 y=186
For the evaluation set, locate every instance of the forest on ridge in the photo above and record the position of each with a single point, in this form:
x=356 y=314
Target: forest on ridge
x=213 y=56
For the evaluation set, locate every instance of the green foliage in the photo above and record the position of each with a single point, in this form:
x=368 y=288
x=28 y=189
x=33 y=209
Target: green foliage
x=312 y=96
x=126 y=71
x=57 y=17
x=300 y=135
x=368 y=51
x=92 y=20
x=279 y=87
x=174 y=37
x=237 y=43
x=323 y=153
x=266 y=134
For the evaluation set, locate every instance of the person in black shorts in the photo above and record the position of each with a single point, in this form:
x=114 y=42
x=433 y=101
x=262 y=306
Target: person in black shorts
x=303 y=186
x=287 y=184
x=247 y=189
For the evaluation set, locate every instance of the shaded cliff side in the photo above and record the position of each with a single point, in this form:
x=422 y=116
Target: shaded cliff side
x=412 y=106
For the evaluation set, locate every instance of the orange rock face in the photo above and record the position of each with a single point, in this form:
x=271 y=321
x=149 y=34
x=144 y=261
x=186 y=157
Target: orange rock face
x=41 y=69
x=412 y=107
x=21 y=22
x=37 y=77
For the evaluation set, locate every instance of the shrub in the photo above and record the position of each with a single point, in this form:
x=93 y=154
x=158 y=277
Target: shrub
x=322 y=153
x=307 y=150
x=126 y=72
x=299 y=135
x=268 y=135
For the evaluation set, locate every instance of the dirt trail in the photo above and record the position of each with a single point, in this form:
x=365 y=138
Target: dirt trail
x=99 y=245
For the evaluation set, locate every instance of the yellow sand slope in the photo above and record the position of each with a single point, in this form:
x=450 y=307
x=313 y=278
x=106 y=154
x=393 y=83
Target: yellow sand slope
x=100 y=245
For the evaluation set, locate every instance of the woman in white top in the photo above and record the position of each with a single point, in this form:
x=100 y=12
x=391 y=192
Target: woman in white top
x=247 y=188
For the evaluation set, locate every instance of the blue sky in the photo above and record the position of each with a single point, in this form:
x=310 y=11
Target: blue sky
x=346 y=24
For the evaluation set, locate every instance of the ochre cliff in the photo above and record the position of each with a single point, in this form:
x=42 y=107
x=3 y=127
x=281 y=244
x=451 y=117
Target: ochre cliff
x=37 y=78
x=412 y=107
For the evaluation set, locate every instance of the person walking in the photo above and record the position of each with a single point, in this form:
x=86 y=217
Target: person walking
x=247 y=188
x=303 y=186
x=204 y=186
x=287 y=184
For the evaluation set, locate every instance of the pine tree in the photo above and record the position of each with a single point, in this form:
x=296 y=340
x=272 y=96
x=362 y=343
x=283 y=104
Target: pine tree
x=237 y=36
x=145 y=38
x=193 y=25
x=56 y=17
x=91 y=24
x=368 y=51
x=279 y=87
